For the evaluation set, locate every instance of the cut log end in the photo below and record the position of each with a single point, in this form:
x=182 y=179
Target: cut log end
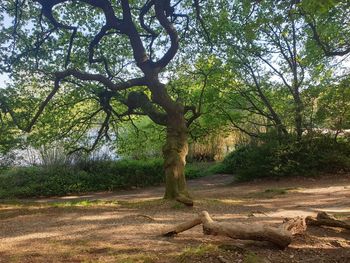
x=295 y=225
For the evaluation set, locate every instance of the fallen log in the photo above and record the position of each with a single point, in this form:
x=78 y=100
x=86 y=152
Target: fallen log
x=182 y=227
x=280 y=236
x=324 y=219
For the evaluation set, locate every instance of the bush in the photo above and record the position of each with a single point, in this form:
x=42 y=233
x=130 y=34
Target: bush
x=86 y=176
x=199 y=169
x=274 y=159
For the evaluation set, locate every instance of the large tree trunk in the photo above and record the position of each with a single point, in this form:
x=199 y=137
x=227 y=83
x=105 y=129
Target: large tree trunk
x=175 y=151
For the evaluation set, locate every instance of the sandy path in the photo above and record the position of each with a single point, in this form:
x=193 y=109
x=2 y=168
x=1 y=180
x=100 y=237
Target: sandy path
x=125 y=229
x=204 y=183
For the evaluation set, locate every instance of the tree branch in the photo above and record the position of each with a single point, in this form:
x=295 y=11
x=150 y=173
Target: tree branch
x=160 y=10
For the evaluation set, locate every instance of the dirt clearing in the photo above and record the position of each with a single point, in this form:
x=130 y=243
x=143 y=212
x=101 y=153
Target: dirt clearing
x=124 y=226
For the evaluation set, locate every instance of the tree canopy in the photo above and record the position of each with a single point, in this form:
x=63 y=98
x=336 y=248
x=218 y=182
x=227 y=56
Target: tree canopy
x=90 y=71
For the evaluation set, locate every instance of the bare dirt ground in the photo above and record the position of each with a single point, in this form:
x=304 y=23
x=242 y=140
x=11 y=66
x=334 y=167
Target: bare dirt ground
x=125 y=226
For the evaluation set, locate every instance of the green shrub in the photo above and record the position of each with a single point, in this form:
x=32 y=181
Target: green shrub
x=86 y=176
x=274 y=159
x=199 y=169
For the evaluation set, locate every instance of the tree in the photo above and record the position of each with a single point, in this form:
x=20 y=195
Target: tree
x=90 y=48
x=270 y=58
x=328 y=22
x=333 y=111
x=9 y=138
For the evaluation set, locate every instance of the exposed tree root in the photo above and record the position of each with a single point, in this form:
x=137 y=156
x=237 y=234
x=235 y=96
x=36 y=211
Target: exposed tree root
x=185 y=200
x=280 y=236
x=324 y=219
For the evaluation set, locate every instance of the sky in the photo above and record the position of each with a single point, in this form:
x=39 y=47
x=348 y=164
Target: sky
x=3 y=80
x=3 y=77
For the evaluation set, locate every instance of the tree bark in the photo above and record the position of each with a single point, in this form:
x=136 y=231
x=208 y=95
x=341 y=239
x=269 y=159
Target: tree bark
x=175 y=151
x=298 y=114
x=259 y=232
x=182 y=227
x=280 y=236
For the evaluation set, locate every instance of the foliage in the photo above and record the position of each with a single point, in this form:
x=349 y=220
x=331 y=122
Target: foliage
x=274 y=159
x=9 y=134
x=140 y=140
x=333 y=109
x=86 y=177
x=270 y=60
x=200 y=169
x=328 y=26
x=265 y=69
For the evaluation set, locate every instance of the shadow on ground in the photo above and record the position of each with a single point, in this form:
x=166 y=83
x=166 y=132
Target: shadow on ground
x=125 y=226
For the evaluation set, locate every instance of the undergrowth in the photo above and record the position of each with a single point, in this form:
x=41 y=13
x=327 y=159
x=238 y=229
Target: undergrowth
x=90 y=176
x=290 y=158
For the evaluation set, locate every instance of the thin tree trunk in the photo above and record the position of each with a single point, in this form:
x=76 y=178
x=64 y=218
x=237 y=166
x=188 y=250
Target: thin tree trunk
x=281 y=129
x=296 y=84
x=175 y=151
x=298 y=115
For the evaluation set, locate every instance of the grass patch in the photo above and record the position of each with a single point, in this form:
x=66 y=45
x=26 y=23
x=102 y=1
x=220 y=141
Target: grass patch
x=132 y=204
x=138 y=204
x=251 y=257
x=160 y=203
x=82 y=203
x=73 y=203
x=189 y=254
